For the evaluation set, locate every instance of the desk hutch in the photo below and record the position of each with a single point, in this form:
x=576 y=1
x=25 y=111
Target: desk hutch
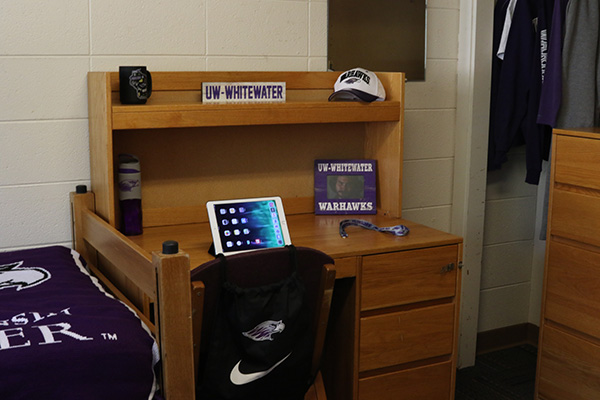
x=394 y=319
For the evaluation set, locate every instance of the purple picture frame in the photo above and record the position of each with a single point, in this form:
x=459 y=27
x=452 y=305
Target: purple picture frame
x=345 y=186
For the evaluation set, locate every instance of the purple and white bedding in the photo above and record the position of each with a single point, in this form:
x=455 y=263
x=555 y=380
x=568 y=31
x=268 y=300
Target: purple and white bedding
x=63 y=337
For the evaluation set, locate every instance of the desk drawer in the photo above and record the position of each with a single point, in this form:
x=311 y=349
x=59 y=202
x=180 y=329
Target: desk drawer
x=408 y=276
x=431 y=382
x=572 y=288
x=577 y=161
x=569 y=367
x=346 y=267
x=405 y=336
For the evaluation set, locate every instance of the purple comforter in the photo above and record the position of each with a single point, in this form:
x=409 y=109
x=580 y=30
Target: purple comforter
x=63 y=337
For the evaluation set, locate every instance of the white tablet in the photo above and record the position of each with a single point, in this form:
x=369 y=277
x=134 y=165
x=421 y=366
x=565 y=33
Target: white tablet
x=247 y=224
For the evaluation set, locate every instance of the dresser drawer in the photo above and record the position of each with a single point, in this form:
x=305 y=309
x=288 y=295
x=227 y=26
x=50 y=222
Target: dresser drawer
x=577 y=161
x=405 y=336
x=569 y=367
x=408 y=276
x=431 y=382
x=572 y=288
x=575 y=216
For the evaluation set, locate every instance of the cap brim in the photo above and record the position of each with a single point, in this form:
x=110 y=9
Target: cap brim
x=351 y=95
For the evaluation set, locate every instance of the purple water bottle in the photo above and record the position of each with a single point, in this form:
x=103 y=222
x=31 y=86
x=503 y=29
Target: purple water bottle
x=130 y=194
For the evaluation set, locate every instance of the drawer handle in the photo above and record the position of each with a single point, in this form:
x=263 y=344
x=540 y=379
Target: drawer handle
x=447 y=268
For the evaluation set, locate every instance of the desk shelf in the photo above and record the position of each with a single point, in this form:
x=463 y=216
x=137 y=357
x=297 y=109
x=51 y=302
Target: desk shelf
x=185 y=115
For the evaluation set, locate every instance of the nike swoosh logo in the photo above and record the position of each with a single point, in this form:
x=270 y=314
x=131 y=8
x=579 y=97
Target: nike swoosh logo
x=239 y=378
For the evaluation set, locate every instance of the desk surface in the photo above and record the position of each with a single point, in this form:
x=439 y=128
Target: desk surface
x=317 y=231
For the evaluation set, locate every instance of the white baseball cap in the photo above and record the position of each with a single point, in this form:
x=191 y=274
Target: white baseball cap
x=358 y=84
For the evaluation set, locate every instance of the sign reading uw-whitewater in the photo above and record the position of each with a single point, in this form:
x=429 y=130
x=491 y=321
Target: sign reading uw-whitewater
x=243 y=92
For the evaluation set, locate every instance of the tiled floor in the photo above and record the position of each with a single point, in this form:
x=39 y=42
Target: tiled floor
x=500 y=375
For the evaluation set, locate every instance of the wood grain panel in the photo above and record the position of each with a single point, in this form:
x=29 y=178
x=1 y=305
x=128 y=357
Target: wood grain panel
x=193 y=175
x=383 y=143
x=199 y=115
x=192 y=152
x=346 y=267
x=175 y=327
x=190 y=81
x=101 y=155
x=182 y=169
x=424 y=383
x=575 y=216
x=573 y=282
x=319 y=232
x=569 y=347
x=197 y=213
x=577 y=161
x=133 y=261
x=407 y=277
x=569 y=367
x=402 y=337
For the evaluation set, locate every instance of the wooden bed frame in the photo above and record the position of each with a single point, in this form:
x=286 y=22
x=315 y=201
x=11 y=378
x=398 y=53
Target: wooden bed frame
x=173 y=303
x=163 y=278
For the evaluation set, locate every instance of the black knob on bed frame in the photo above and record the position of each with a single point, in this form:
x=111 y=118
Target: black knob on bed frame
x=170 y=247
x=80 y=189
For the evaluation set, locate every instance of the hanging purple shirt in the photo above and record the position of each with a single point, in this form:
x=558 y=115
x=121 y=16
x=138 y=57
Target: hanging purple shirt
x=552 y=78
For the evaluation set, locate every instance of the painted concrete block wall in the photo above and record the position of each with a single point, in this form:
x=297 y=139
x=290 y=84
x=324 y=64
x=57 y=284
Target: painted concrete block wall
x=47 y=49
x=43 y=127
x=508 y=252
x=430 y=114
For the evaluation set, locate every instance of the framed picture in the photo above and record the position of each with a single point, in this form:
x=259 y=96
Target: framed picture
x=345 y=187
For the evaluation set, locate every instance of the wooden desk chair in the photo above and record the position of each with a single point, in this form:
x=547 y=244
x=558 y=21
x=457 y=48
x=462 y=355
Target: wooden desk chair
x=261 y=268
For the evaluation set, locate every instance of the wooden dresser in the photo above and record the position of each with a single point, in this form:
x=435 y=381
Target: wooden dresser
x=394 y=321
x=569 y=345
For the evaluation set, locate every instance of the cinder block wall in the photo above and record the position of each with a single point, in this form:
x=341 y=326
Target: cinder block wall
x=47 y=48
x=508 y=247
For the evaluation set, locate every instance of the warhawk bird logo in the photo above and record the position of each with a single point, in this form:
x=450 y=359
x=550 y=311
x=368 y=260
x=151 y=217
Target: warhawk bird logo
x=14 y=276
x=351 y=81
x=128 y=185
x=265 y=330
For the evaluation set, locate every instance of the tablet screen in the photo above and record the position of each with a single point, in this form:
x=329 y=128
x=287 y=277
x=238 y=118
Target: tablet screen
x=247 y=224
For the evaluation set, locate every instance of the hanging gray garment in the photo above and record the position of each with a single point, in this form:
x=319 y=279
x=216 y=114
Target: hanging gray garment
x=581 y=75
x=580 y=60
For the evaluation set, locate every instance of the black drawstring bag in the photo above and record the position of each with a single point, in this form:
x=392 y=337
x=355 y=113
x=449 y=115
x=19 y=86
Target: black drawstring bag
x=261 y=344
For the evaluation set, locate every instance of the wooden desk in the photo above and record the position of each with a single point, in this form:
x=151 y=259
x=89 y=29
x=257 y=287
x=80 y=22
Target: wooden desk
x=320 y=232
x=394 y=319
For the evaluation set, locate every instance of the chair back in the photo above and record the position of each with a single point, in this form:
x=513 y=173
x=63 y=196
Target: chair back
x=264 y=267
